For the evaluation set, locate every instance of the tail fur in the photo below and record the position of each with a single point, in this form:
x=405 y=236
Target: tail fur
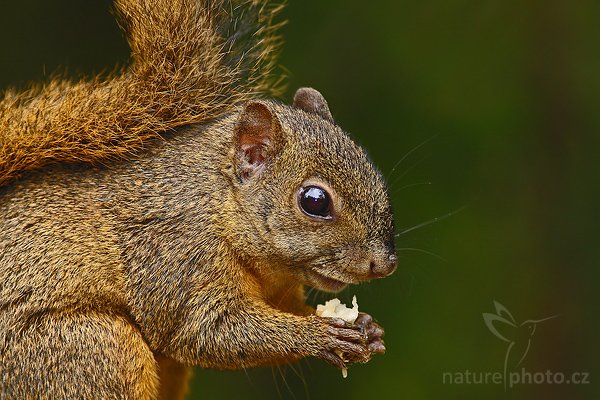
x=192 y=60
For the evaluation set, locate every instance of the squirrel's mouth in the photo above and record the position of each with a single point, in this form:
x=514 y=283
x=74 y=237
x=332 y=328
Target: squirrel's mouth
x=326 y=283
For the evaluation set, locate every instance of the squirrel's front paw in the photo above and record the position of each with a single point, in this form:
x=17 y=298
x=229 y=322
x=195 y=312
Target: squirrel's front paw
x=344 y=343
x=373 y=331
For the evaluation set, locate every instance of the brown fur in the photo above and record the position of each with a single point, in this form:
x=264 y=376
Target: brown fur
x=182 y=71
x=115 y=279
x=173 y=378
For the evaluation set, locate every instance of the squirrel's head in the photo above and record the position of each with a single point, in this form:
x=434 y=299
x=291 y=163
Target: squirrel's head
x=308 y=198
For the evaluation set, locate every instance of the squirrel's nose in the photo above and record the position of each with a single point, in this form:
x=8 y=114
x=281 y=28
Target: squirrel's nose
x=383 y=267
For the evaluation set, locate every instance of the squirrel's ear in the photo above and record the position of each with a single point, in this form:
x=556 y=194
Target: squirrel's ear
x=311 y=101
x=257 y=131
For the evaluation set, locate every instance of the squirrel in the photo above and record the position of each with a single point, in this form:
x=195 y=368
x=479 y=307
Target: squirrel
x=170 y=215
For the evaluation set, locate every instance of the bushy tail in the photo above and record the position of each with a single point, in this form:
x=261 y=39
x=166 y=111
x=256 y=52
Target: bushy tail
x=192 y=60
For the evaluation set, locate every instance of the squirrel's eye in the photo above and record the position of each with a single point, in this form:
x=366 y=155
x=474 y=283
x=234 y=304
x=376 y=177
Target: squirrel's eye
x=315 y=202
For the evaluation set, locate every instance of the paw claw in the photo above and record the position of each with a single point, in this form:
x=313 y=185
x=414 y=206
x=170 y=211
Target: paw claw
x=375 y=331
x=351 y=343
x=363 y=319
x=377 y=347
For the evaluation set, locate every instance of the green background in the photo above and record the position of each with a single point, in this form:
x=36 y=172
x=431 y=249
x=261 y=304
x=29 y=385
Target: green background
x=492 y=109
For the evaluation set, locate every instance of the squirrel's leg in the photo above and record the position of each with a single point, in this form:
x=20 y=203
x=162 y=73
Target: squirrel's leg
x=240 y=331
x=79 y=356
x=174 y=378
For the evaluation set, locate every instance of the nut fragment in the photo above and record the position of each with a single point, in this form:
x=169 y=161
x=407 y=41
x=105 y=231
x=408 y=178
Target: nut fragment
x=335 y=309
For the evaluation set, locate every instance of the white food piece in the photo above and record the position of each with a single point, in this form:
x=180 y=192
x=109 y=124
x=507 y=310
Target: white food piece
x=335 y=309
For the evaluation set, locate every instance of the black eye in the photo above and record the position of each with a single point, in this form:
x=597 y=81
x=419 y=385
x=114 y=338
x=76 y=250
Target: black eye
x=315 y=202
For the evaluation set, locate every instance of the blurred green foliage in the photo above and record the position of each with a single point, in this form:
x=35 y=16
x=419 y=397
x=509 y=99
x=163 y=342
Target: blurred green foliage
x=489 y=111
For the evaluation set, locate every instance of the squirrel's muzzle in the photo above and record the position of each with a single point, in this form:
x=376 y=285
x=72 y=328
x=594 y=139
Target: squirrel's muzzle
x=383 y=266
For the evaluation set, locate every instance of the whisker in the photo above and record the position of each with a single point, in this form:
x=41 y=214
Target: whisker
x=248 y=376
x=307 y=363
x=310 y=292
x=300 y=376
x=422 y=251
x=285 y=382
x=431 y=221
x=276 y=382
x=318 y=296
x=411 y=185
x=406 y=171
x=410 y=152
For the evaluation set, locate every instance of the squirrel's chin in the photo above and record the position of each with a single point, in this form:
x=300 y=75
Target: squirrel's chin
x=325 y=283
